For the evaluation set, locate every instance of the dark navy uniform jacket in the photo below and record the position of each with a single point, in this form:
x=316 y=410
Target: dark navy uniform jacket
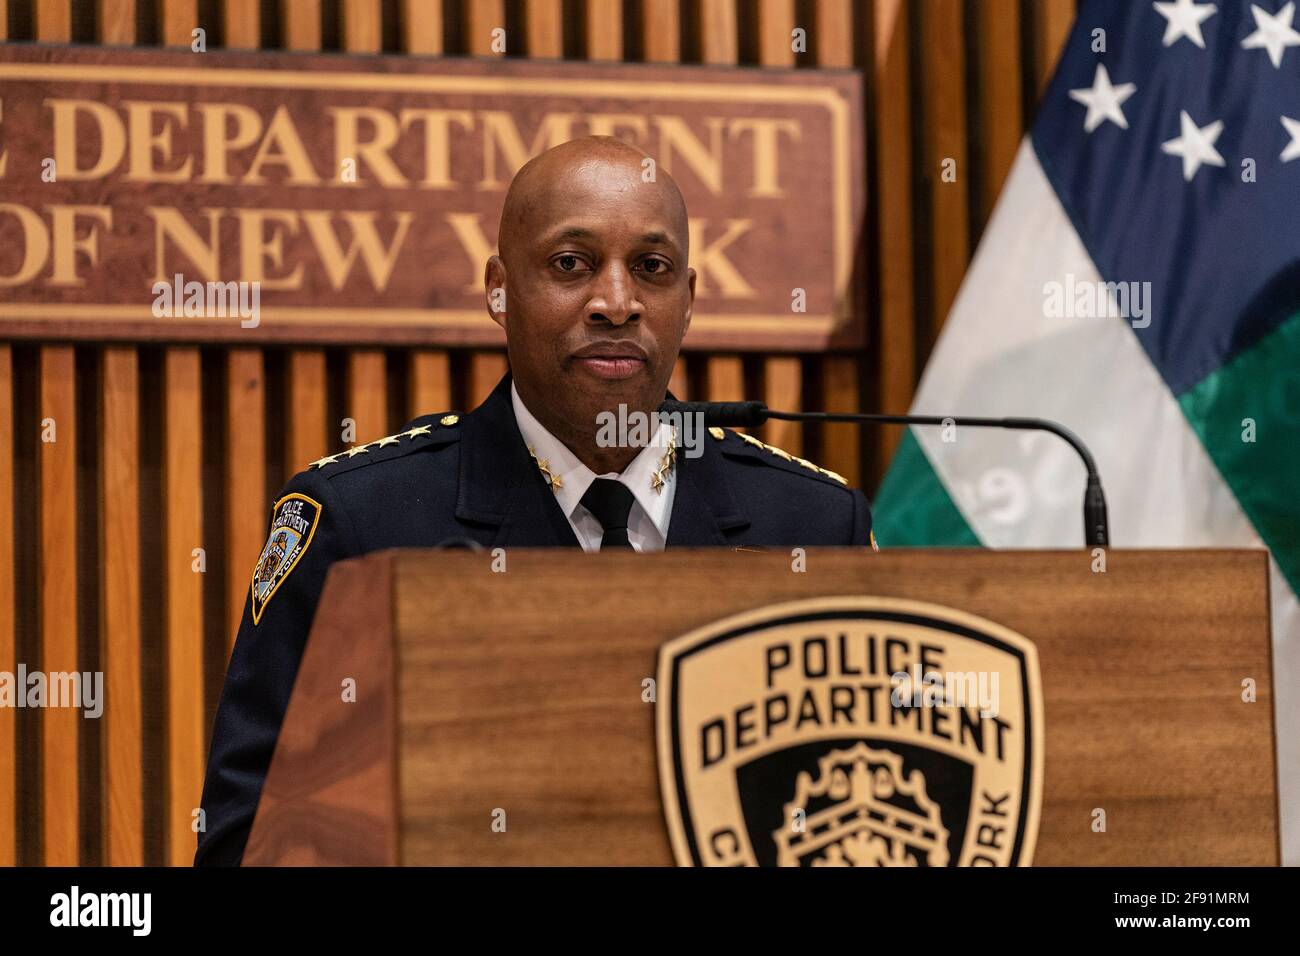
x=446 y=479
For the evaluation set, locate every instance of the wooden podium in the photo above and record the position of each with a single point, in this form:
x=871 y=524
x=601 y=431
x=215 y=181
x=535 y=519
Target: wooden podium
x=517 y=696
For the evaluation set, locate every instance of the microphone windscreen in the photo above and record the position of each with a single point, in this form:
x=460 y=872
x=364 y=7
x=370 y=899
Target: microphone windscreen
x=721 y=414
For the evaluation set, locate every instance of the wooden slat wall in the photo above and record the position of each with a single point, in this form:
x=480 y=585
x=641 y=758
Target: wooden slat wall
x=162 y=413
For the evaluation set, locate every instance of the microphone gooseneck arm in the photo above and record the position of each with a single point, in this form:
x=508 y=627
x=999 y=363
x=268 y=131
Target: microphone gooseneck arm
x=749 y=414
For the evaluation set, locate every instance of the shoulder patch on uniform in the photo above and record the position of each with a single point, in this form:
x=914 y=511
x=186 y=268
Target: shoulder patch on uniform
x=785 y=456
x=293 y=523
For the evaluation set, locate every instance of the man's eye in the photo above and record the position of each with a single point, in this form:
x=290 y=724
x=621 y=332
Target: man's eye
x=654 y=266
x=568 y=263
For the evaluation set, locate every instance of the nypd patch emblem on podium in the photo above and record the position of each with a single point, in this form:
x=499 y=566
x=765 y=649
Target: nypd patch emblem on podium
x=851 y=732
x=293 y=522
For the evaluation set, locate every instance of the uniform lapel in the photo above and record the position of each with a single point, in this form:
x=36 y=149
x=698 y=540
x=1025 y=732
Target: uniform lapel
x=703 y=507
x=500 y=484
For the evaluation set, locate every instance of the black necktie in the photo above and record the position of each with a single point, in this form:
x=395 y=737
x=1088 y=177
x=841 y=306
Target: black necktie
x=611 y=502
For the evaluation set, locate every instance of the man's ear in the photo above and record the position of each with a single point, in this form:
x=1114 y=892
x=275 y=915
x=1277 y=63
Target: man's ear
x=494 y=284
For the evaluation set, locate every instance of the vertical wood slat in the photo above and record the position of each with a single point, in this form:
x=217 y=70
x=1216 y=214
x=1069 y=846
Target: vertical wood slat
x=428 y=370
x=679 y=383
x=421 y=26
x=1000 y=112
x=306 y=437
x=718 y=40
x=1053 y=19
x=53 y=21
x=122 y=741
x=725 y=378
x=485 y=370
x=783 y=390
x=179 y=18
x=182 y=533
x=8 y=636
x=300 y=20
x=57 y=460
x=360 y=26
x=430 y=377
x=839 y=388
x=782 y=376
x=119 y=584
x=544 y=28
x=943 y=68
x=775 y=24
x=242 y=30
x=58 y=585
x=661 y=30
x=368 y=394
x=896 y=342
x=116 y=21
x=482 y=17
x=245 y=411
x=724 y=374
x=245 y=476
x=603 y=27
x=367 y=388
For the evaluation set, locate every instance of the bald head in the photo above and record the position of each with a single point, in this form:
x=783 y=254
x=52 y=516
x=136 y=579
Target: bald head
x=541 y=185
x=592 y=287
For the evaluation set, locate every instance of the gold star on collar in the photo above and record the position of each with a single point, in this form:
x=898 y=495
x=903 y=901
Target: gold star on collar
x=659 y=478
x=322 y=462
x=390 y=440
x=421 y=430
x=544 y=466
x=357 y=450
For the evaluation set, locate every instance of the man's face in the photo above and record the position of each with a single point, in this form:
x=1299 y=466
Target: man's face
x=598 y=294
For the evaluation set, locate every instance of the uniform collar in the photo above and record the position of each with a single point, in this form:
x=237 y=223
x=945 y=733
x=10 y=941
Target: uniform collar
x=500 y=486
x=570 y=478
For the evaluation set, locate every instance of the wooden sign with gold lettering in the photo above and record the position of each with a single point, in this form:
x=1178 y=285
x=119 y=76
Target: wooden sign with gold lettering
x=287 y=197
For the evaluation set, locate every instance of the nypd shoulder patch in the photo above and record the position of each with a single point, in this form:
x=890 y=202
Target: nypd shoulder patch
x=293 y=522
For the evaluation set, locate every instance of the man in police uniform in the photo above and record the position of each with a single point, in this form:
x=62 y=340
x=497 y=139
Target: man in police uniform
x=593 y=291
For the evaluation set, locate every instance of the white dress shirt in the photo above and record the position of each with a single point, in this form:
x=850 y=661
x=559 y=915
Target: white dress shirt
x=647 y=524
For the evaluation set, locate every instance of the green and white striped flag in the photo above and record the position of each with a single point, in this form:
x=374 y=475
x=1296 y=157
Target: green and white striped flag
x=1139 y=282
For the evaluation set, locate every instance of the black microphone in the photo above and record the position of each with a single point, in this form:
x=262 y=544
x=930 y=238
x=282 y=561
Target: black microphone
x=1096 y=530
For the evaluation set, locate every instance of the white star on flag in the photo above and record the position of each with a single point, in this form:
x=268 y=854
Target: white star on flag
x=1103 y=100
x=1273 y=33
x=1196 y=145
x=1185 y=18
x=1292 y=150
